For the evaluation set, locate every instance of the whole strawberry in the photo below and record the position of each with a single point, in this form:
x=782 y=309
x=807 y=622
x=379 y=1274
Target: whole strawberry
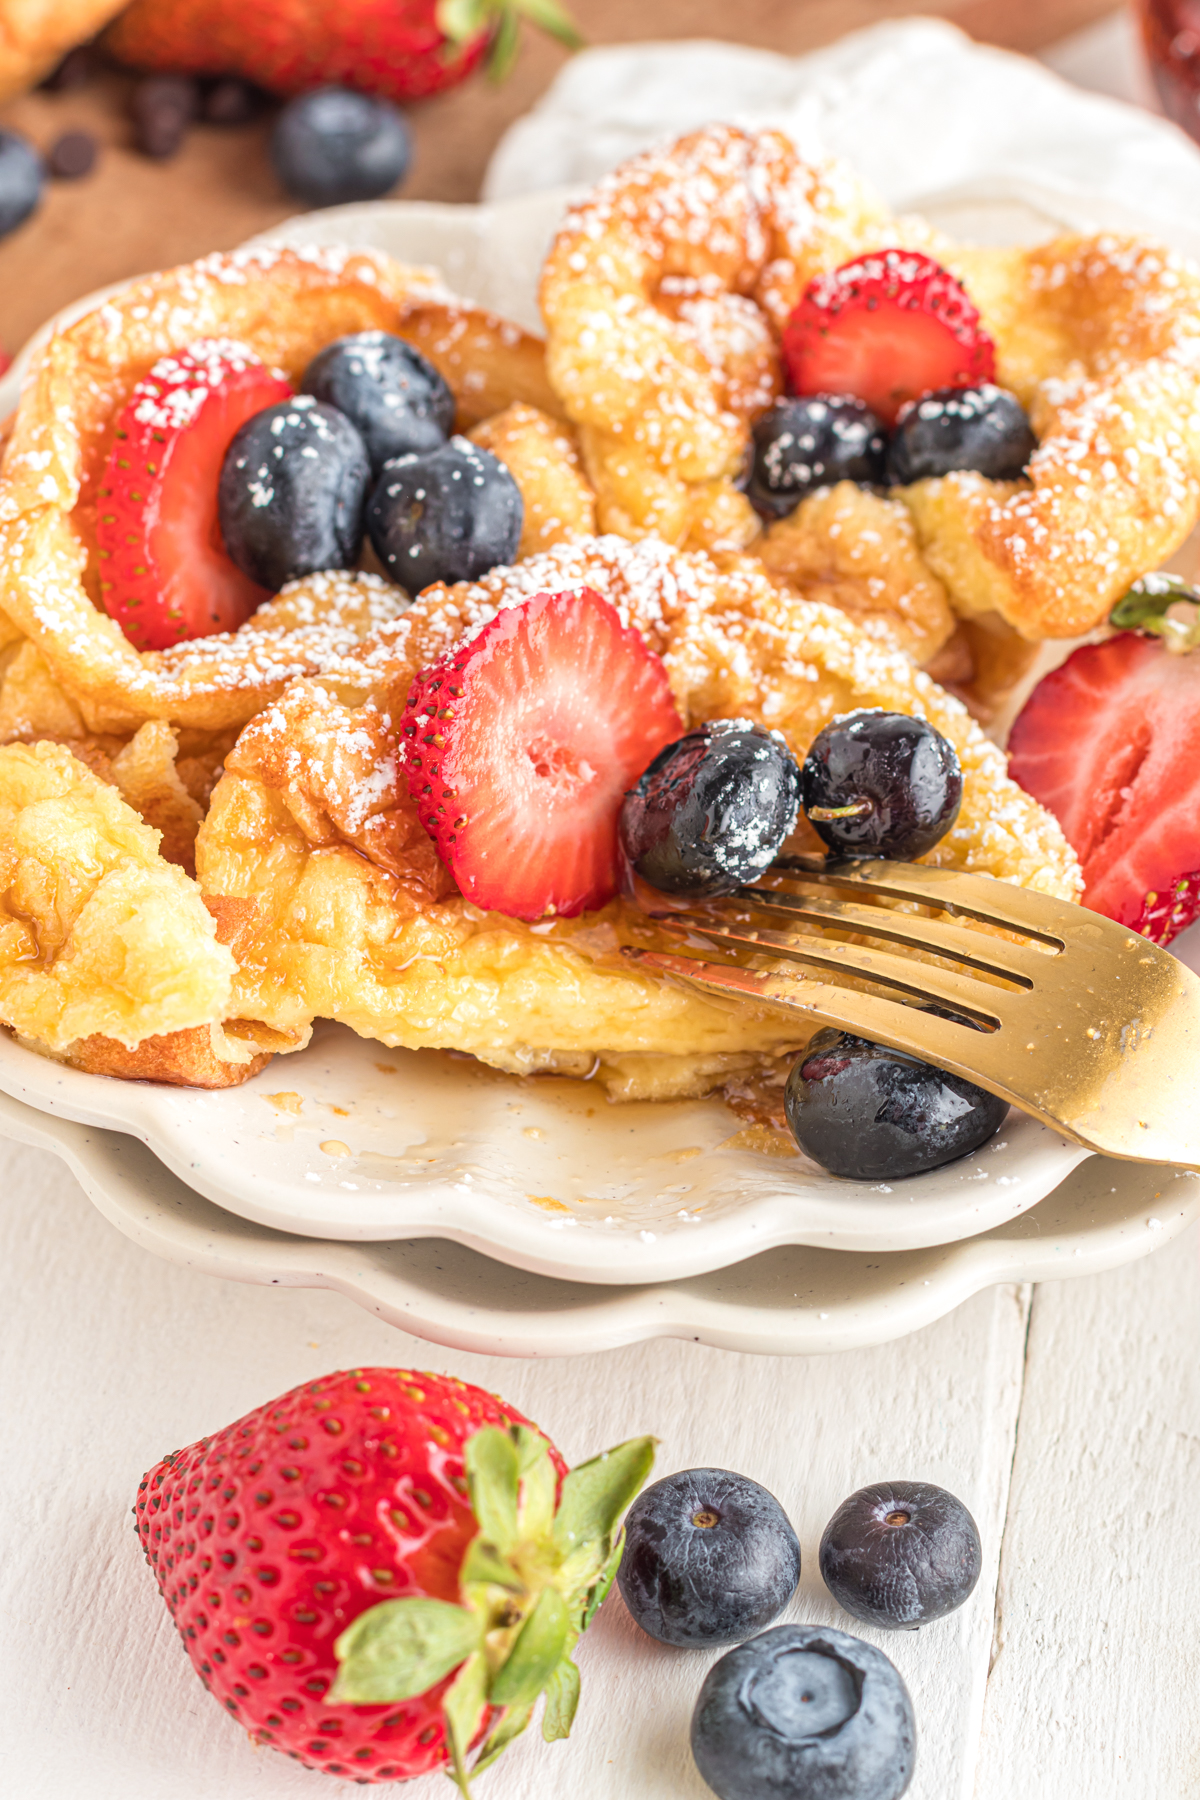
x=380 y=1568
x=400 y=49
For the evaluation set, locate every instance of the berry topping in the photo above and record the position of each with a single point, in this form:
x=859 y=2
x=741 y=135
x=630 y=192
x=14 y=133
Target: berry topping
x=22 y=177
x=888 y=327
x=1110 y=743
x=164 y=572
x=881 y=784
x=900 y=1554
x=804 y=1712
x=984 y=428
x=395 y=397
x=450 y=515
x=711 y=810
x=334 y=1557
x=872 y=1114
x=333 y=145
x=710 y=1558
x=292 y=490
x=520 y=744
x=809 y=443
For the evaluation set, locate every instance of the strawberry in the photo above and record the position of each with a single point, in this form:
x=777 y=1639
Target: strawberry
x=399 y=49
x=520 y=743
x=887 y=327
x=1109 y=742
x=331 y=1560
x=164 y=572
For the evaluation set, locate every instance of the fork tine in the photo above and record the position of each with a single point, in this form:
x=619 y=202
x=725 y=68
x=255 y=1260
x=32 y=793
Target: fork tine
x=982 y=897
x=993 y=956
x=920 y=981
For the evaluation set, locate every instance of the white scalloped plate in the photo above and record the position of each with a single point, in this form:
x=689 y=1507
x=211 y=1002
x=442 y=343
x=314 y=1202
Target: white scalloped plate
x=543 y=1175
x=790 y=1301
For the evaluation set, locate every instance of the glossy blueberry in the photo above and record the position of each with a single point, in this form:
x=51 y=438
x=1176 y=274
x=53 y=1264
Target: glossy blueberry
x=711 y=810
x=873 y=1114
x=881 y=784
x=900 y=1554
x=805 y=1713
x=710 y=1558
x=450 y=515
x=809 y=443
x=333 y=145
x=983 y=428
x=291 y=493
x=22 y=177
x=393 y=394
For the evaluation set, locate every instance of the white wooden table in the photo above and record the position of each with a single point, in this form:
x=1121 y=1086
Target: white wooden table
x=1067 y=1418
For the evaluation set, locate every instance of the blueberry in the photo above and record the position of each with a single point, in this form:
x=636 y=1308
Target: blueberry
x=450 y=515
x=291 y=493
x=881 y=784
x=710 y=1558
x=805 y=1713
x=981 y=428
x=333 y=145
x=22 y=177
x=387 y=389
x=712 y=809
x=900 y=1554
x=873 y=1114
x=800 y=445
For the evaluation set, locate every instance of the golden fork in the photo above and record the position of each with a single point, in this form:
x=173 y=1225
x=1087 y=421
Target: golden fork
x=1095 y=1031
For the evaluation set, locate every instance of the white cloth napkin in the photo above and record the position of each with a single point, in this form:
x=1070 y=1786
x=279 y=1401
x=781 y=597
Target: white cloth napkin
x=916 y=106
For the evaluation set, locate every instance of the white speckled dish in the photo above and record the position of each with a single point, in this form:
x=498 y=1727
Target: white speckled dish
x=792 y=1300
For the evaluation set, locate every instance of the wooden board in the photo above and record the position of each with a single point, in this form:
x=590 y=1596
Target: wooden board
x=110 y=1357
x=132 y=215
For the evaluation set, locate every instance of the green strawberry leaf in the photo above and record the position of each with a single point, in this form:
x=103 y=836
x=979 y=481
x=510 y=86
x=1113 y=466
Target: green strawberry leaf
x=511 y=1725
x=1146 y=607
x=493 y=1472
x=462 y=20
x=594 y=1495
x=562 y=1698
x=535 y=1653
x=401 y=1648
x=552 y=18
x=464 y=1705
x=539 y=1489
x=484 y=1565
x=599 y=1594
x=506 y=41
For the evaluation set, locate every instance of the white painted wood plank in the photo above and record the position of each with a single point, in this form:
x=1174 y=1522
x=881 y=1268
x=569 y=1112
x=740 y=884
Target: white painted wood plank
x=110 y=1357
x=1095 y=1689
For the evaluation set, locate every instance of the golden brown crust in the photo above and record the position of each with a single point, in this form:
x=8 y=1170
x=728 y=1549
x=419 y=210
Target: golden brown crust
x=36 y=34
x=285 y=304
x=543 y=459
x=180 y=1059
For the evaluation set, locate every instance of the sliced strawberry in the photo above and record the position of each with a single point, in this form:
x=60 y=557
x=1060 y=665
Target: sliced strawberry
x=1110 y=744
x=521 y=743
x=164 y=574
x=888 y=328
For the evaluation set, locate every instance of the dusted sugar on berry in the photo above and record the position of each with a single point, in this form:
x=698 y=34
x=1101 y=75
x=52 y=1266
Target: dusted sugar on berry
x=868 y=1113
x=375 y=1570
x=710 y=1558
x=167 y=573
x=900 y=1554
x=816 y=441
x=392 y=394
x=804 y=1712
x=876 y=783
x=889 y=327
x=333 y=145
x=712 y=809
x=292 y=490
x=449 y=515
x=520 y=742
x=983 y=428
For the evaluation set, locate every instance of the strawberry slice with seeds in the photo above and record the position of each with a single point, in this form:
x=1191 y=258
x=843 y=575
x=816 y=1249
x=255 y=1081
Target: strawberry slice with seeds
x=1110 y=744
x=520 y=744
x=887 y=328
x=164 y=574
